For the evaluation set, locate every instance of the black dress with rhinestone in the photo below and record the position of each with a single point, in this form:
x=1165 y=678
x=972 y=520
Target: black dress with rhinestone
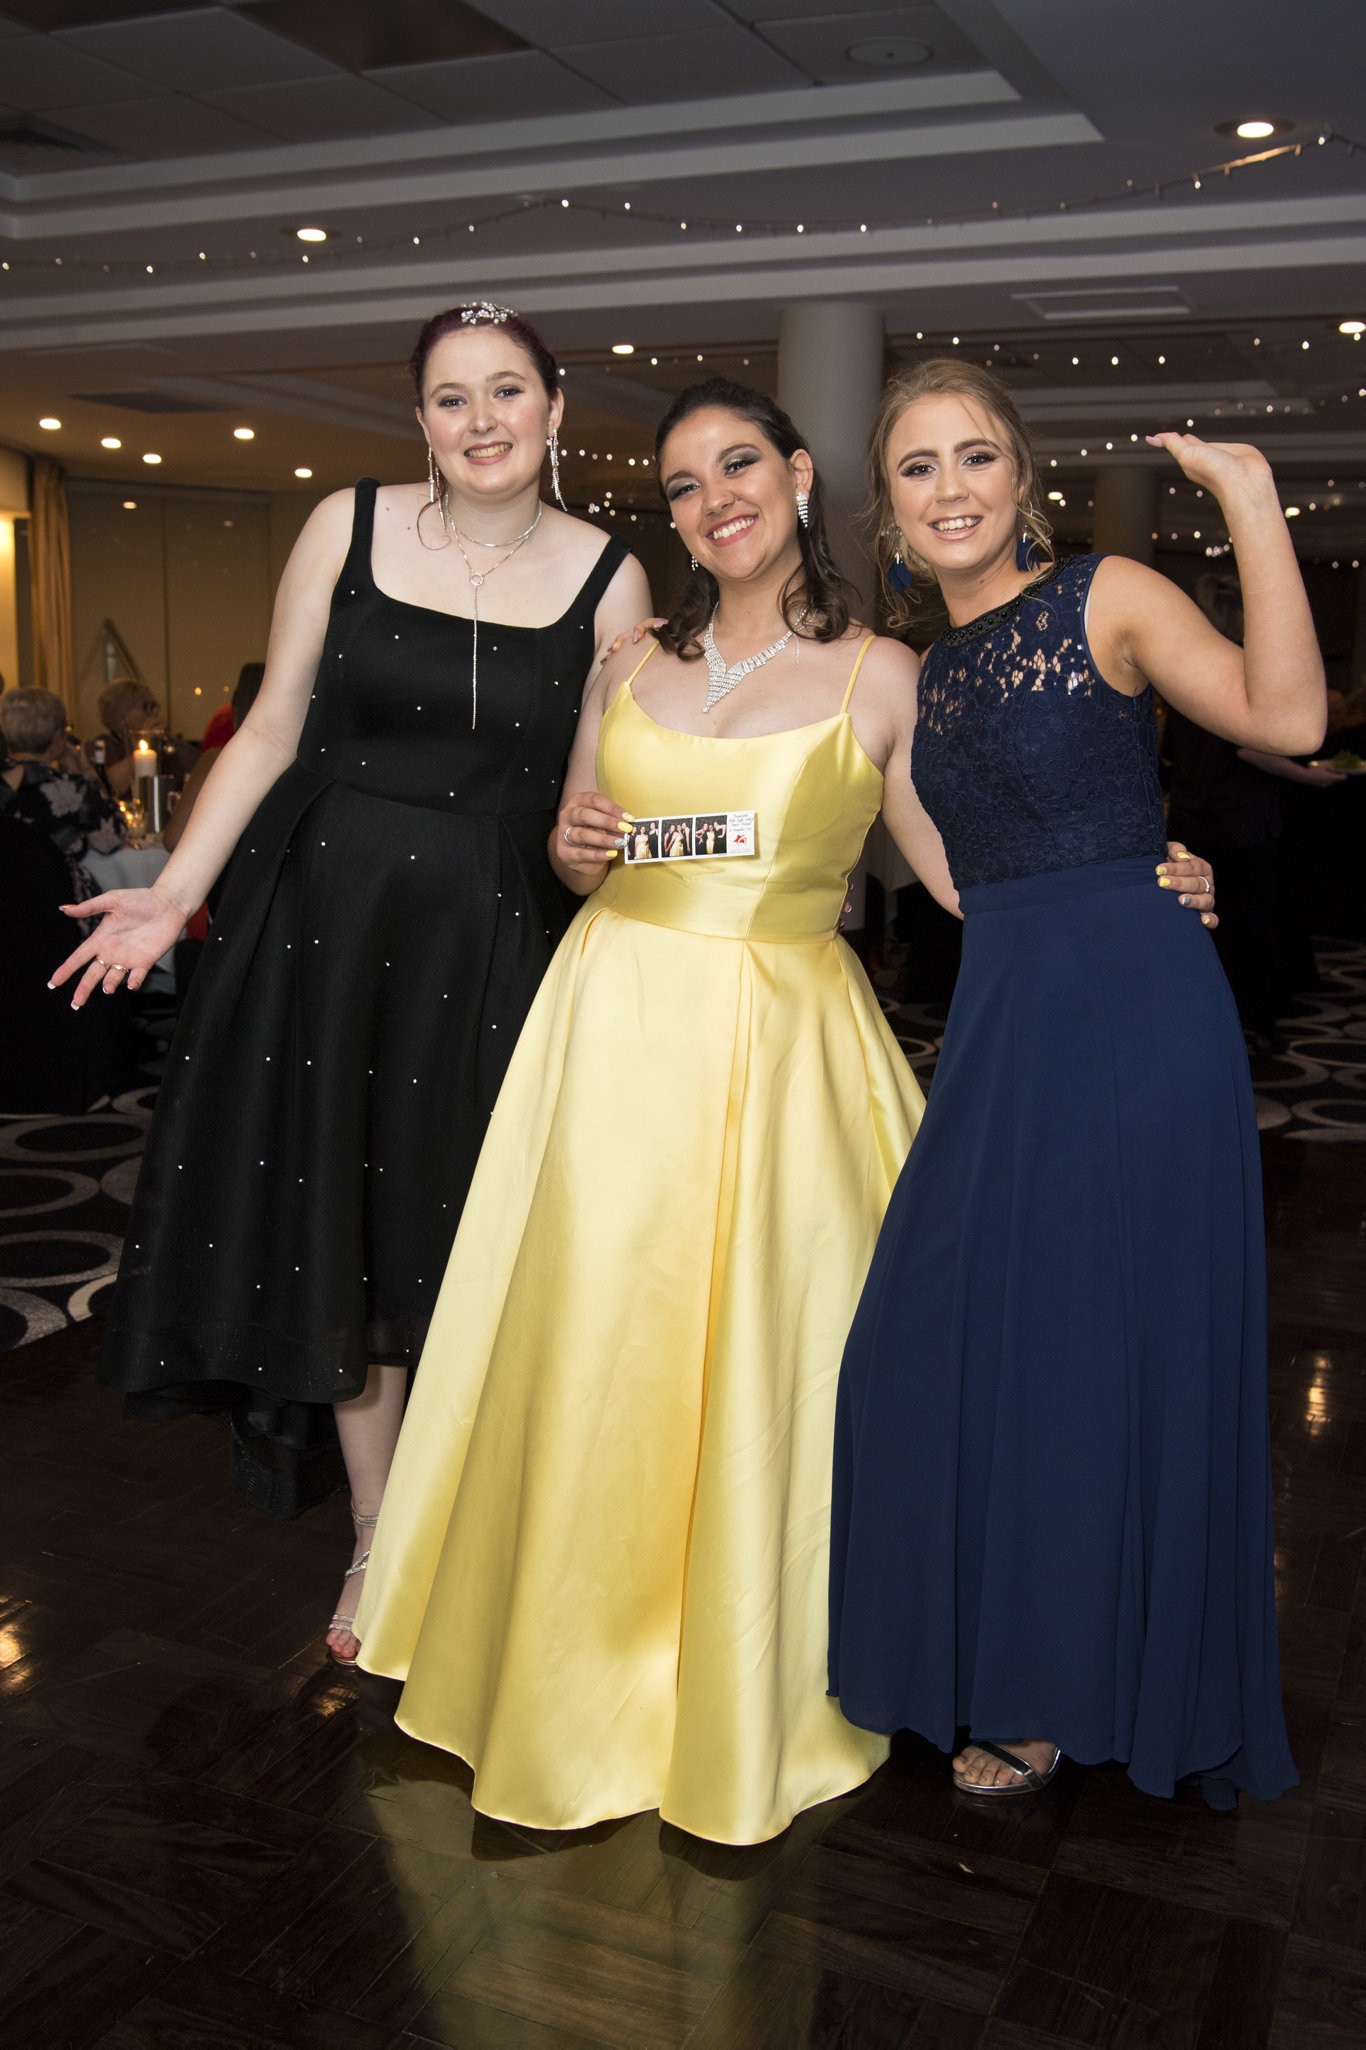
x=382 y=929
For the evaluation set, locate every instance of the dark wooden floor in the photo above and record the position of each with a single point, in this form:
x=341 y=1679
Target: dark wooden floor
x=210 y=1840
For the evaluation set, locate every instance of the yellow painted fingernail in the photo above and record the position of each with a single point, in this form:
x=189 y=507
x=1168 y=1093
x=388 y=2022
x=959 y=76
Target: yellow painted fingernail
x=1165 y=883
x=629 y=817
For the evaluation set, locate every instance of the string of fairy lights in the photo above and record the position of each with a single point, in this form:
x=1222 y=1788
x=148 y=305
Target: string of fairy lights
x=333 y=248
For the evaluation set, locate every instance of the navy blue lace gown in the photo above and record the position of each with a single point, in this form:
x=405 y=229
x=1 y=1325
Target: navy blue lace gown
x=382 y=929
x=1052 y=1506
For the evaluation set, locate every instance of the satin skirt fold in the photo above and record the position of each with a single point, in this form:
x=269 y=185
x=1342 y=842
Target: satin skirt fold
x=1052 y=1500
x=601 y=1569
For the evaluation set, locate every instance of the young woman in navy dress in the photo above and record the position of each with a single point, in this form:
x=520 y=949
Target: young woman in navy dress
x=1052 y=1506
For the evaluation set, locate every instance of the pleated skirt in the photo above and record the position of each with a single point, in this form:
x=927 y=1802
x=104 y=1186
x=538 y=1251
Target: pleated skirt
x=1051 y=1509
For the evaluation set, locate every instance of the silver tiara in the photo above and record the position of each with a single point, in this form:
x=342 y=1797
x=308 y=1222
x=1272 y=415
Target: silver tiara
x=485 y=313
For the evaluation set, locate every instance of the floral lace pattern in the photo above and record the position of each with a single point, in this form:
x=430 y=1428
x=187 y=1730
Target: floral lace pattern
x=1025 y=757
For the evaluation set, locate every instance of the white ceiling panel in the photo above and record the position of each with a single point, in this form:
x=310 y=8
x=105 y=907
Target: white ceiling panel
x=205 y=50
x=685 y=66
x=163 y=127
x=555 y=22
x=525 y=82
x=819 y=44
x=39 y=73
x=317 y=109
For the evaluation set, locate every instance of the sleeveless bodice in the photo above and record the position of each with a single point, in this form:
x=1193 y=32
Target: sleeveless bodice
x=391 y=707
x=1026 y=759
x=812 y=788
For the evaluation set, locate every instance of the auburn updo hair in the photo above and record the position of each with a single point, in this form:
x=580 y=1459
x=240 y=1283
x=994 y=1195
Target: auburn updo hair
x=483 y=313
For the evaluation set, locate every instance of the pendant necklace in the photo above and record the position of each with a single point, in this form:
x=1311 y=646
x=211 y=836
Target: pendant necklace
x=722 y=680
x=478 y=577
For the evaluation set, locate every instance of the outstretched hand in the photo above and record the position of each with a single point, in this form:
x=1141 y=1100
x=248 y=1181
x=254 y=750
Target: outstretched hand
x=136 y=928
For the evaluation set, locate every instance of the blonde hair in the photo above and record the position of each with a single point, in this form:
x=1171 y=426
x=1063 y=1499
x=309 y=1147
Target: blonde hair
x=942 y=376
x=121 y=697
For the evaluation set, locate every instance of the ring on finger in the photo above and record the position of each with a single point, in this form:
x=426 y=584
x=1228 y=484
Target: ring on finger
x=567 y=841
x=1206 y=886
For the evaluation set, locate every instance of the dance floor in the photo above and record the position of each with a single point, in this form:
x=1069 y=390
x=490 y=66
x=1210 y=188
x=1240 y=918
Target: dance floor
x=211 y=1840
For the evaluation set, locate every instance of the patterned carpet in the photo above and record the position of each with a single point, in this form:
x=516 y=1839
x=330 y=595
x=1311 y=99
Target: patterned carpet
x=66 y=1183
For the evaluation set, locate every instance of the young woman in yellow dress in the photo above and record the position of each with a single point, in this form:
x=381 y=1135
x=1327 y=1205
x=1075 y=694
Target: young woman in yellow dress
x=601 y=1565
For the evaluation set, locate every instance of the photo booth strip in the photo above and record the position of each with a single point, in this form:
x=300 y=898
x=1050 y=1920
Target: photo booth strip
x=691 y=836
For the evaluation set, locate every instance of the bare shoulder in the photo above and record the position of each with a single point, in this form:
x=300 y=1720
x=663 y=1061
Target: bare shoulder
x=890 y=670
x=1122 y=587
x=325 y=537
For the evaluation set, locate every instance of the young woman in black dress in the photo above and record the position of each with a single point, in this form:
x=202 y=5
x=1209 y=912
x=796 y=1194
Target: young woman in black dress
x=385 y=919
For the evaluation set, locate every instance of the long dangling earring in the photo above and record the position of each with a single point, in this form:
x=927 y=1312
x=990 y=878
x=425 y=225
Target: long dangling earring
x=898 y=575
x=693 y=560
x=1024 y=552
x=804 y=507
x=552 y=442
x=436 y=483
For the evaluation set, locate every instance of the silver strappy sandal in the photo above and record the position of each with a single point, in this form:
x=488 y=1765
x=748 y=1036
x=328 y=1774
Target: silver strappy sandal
x=1028 y=1779
x=358 y=1566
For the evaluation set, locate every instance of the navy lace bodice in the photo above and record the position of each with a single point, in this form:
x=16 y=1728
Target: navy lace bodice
x=1025 y=757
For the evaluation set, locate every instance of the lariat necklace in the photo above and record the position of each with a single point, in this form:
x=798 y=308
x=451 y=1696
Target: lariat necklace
x=478 y=577
x=722 y=680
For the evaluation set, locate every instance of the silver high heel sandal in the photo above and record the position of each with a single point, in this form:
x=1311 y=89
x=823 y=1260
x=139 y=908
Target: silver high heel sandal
x=359 y=1566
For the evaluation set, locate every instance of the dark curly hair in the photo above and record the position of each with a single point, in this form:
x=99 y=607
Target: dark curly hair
x=817 y=601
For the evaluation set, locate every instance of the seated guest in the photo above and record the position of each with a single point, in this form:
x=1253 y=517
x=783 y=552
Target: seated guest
x=47 y=784
x=132 y=710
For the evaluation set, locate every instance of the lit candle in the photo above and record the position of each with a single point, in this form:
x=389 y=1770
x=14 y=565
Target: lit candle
x=144 y=761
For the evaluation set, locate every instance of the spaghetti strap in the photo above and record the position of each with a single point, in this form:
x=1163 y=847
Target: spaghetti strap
x=858 y=664
x=640 y=665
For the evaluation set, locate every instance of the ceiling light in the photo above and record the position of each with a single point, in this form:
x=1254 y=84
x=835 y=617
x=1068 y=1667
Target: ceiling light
x=887 y=52
x=110 y=441
x=49 y=422
x=130 y=505
x=1352 y=327
x=1256 y=128
x=303 y=471
x=1055 y=497
x=311 y=234
x=151 y=459
x=1292 y=512
x=623 y=348
x=244 y=434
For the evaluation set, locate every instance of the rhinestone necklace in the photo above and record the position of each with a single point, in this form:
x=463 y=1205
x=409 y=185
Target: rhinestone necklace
x=478 y=577
x=722 y=680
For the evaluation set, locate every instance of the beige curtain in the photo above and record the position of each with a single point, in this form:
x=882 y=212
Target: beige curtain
x=49 y=544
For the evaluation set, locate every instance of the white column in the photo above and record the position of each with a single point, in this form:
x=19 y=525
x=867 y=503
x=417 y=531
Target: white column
x=830 y=368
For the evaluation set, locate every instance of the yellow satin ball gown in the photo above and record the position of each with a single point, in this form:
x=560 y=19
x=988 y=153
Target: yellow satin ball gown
x=601 y=1565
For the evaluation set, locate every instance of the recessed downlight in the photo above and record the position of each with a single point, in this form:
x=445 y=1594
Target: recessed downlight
x=130 y=505
x=303 y=471
x=51 y=422
x=110 y=441
x=887 y=53
x=1254 y=127
x=244 y=434
x=623 y=348
x=311 y=234
x=1352 y=327
x=151 y=457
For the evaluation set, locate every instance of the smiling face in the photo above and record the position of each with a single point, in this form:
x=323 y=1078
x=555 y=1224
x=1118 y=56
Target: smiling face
x=953 y=485
x=732 y=495
x=485 y=413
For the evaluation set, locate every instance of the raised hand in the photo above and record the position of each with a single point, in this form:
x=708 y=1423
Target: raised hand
x=135 y=929
x=635 y=635
x=1228 y=469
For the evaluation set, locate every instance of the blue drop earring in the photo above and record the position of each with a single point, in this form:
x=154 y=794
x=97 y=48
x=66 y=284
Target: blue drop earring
x=899 y=575
x=1025 y=557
